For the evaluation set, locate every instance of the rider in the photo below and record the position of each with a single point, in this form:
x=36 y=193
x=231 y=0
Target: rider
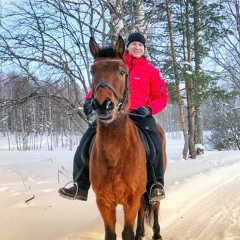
x=148 y=96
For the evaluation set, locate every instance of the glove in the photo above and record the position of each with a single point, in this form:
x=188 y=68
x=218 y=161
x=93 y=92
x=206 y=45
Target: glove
x=87 y=107
x=143 y=111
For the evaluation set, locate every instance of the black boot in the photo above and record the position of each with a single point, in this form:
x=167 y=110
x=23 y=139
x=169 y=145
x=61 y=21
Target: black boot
x=73 y=193
x=155 y=183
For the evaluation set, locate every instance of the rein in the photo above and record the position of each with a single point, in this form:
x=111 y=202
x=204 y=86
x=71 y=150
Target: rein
x=121 y=102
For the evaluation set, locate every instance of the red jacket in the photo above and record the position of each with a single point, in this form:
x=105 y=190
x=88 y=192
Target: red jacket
x=147 y=88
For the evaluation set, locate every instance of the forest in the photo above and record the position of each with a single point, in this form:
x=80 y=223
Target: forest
x=45 y=62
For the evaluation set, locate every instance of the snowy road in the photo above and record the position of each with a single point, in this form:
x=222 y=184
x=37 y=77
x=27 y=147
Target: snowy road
x=202 y=198
x=214 y=216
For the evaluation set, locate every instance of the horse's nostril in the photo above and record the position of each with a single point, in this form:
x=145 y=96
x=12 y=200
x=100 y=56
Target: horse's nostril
x=103 y=108
x=109 y=105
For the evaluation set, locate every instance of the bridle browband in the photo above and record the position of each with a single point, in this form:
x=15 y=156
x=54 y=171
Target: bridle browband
x=121 y=102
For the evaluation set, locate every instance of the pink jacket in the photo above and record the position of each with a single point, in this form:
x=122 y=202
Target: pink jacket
x=147 y=88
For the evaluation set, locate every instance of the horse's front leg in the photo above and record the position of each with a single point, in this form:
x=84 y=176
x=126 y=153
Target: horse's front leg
x=108 y=212
x=156 y=226
x=130 y=212
x=140 y=231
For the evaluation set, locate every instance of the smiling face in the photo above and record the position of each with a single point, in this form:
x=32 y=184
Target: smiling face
x=136 y=49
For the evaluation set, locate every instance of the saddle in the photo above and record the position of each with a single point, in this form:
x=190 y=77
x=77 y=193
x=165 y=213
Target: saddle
x=146 y=140
x=148 y=143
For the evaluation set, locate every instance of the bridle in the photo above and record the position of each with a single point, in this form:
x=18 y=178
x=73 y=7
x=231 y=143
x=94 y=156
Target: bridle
x=121 y=102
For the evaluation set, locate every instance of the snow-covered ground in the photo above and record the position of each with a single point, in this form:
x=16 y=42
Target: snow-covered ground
x=202 y=202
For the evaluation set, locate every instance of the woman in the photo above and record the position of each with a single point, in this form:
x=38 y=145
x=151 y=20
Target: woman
x=148 y=96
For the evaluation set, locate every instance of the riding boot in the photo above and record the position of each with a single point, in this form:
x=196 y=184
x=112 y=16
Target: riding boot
x=81 y=180
x=74 y=193
x=155 y=184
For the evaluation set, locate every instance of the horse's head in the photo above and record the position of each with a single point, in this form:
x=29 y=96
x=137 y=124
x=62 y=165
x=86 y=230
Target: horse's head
x=109 y=80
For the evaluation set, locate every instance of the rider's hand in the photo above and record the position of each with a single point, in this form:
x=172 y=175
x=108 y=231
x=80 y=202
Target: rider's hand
x=143 y=111
x=87 y=107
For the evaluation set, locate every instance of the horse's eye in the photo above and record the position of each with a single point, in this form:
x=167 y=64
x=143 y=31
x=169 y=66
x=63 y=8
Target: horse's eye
x=122 y=72
x=92 y=72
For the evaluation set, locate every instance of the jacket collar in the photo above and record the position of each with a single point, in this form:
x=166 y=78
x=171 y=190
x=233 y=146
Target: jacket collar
x=135 y=61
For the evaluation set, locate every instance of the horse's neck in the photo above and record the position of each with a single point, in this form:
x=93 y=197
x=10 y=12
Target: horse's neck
x=116 y=129
x=114 y=140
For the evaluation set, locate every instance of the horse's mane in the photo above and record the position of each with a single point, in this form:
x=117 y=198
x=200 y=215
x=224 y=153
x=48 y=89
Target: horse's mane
x=106 y=52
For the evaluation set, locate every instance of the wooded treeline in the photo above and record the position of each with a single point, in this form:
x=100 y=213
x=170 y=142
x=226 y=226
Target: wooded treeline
x=45 y=61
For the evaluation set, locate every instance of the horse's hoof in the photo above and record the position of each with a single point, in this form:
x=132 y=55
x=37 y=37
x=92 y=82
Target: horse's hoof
x=157 y=238
x=138 y=238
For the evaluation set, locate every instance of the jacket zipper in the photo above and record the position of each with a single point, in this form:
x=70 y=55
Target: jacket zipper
x=131 y=65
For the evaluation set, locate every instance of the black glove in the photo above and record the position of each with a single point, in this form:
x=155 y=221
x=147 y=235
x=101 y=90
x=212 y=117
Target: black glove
x=87 y=107
x=143 y=111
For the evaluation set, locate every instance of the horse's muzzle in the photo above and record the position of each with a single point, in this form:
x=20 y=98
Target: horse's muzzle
x=104 y=111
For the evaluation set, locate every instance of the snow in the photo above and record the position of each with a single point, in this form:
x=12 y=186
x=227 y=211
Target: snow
x=186 y=63
x=202 y=198
x=189 y=72
x=199 y=146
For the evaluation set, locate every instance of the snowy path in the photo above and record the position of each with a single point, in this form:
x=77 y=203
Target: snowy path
x=215 y=216
x=204 y=206
x=202 y=198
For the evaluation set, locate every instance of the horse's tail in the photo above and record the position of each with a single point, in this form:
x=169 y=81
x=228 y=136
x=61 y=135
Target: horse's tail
x=148 y=209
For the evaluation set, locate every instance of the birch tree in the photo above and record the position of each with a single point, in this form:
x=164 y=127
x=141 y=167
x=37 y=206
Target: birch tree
x=117 y=19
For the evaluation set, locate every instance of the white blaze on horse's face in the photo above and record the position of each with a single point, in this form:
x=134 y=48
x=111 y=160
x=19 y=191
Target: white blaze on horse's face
x=109 y=80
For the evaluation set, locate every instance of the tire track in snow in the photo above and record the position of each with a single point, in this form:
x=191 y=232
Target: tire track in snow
x=215 y=217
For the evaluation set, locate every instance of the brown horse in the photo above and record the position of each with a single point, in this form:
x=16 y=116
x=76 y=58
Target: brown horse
x=118 y=160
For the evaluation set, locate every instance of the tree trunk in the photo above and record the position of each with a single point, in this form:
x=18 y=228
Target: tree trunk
x=198 y=49
x=189 y=89
x=23 y=129
x=116 y=24
x=181 y=115
x=140 y=23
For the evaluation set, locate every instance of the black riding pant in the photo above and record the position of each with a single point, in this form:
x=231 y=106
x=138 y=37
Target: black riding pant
x=149 y=124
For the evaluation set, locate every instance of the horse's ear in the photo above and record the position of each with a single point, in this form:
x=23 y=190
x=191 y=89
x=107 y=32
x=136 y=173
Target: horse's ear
x=94 y=48
x=120 y=47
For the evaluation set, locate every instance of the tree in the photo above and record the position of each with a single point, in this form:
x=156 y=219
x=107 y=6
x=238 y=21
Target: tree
x=176 y=77
x=189 y=57
x=46 y=42
x=225 y=126
x=225 y=101
x=226 y=50
x=198 y=53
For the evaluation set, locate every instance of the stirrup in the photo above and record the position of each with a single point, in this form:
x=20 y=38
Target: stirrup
x=71 y=198
x=160 y=194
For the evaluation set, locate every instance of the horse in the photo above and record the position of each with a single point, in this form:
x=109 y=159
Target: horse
x=118 y=160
